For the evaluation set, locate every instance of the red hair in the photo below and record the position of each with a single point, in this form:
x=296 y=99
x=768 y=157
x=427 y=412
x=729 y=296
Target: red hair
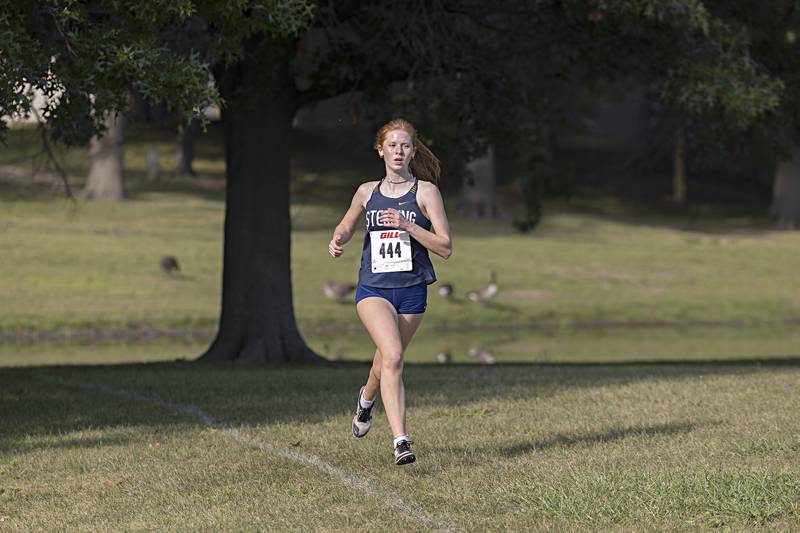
x=424 y=165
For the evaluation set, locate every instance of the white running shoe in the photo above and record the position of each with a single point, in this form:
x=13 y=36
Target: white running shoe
x=403 y=454
x=363 y=419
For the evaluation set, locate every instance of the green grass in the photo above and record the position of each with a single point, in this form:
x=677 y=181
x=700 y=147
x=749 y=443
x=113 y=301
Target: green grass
x=523 y=445
x=575 y=346
x=23 y=148
x=579 y=267
x=518 y=447
x=76 y=268
x=96 y=265
x=49 y=353
x=695 y=344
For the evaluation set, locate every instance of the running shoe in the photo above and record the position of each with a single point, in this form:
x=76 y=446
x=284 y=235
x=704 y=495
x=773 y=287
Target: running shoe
x=363 y=419
x=403 y=454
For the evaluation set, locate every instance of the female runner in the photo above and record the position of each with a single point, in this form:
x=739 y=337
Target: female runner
x=405 y=219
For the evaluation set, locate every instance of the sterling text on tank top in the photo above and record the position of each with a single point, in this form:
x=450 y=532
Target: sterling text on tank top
x=421 y=268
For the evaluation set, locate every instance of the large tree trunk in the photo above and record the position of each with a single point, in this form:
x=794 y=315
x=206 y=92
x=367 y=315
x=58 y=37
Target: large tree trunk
x=786 y=192
x=184 y=157
x=679 y=168
x=478 y=191
x=105 y=153
x=257 y=322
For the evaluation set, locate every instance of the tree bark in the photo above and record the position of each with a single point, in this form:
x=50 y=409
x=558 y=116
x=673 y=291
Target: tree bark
x=152 y=157
x=105 y=181
x=679 y=168
x=187 y=133
x=786 y=191
x=257 y=321
x=478 y=192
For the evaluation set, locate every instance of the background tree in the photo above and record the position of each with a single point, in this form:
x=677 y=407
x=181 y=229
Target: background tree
x=105 y=181
x=86 y=56
x=478 y=75
x=184 y=154
x=465 y=66
x=773 y=30
x=512 y=82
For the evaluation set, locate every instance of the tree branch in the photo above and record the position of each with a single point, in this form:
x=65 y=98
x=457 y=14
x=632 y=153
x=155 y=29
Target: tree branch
x=51 y=156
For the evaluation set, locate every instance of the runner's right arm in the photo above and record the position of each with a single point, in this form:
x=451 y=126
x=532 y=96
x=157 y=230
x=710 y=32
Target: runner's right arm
x=344 y=231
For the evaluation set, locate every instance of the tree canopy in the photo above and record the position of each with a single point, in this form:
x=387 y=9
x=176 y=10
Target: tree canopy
x=470 y=72
x=475 y=63
x=85 y=57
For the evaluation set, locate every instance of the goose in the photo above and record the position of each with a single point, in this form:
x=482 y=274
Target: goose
x=444 y=357
x=338 y=291
x=446 y=290
x=479 y=355
x=169 y=264
x=337 y=357
x=486 y=293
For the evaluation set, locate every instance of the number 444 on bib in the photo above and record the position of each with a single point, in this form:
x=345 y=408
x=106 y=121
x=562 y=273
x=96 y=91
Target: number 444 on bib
x=391 y=251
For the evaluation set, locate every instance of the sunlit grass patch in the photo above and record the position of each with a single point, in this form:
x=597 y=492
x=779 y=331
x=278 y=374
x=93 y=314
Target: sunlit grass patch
x=522 y=447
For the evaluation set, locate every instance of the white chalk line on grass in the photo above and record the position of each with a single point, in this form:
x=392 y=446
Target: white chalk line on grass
x=364 y=485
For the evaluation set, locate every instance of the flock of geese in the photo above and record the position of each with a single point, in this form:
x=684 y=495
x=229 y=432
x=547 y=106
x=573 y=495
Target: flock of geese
x=339 y=292
x=478 y=355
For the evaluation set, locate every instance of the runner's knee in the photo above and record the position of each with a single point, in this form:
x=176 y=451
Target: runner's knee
x=392 y=361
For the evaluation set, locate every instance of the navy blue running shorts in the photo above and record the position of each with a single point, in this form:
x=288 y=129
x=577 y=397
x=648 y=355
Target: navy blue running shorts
x=406 y=300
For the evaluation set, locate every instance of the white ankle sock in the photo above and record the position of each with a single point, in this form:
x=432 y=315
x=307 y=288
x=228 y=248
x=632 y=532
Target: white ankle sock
x=398 y=439
x=365 y=404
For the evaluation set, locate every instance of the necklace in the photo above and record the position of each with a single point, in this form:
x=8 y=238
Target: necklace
x=396 y=182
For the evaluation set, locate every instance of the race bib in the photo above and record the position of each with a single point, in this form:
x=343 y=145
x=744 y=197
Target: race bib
x=391 y=251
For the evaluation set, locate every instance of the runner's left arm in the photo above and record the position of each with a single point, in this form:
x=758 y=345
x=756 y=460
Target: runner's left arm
x=437 y=241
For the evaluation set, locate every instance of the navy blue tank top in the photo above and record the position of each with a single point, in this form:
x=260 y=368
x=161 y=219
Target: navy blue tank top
x=422 y=269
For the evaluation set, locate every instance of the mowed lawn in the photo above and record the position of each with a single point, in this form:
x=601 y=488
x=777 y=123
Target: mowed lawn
x=73 y=270
x=93 y=265
x=570 y=291
x=515 y=446
x=508 y=447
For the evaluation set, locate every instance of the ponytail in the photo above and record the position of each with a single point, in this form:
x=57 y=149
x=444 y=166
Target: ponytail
x=424 y=165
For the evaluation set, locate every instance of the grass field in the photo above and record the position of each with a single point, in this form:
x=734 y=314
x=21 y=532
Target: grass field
x=689 y=423
x=96 y=265
x=86 y=265
x=508 y=346
x=509 y=447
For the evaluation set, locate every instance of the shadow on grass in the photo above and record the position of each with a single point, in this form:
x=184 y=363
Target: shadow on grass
x=210 y=187
x=567 y=440
x=30 y=192
x=61 y=400
x=704 y=218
